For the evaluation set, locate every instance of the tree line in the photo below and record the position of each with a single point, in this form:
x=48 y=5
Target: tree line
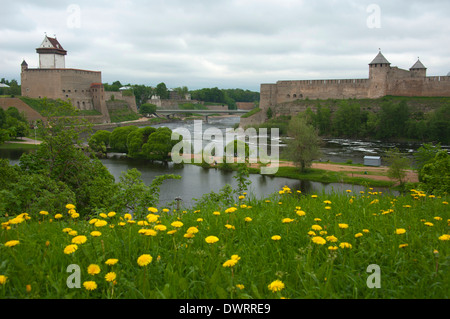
x=392 y=121
x=211 y=95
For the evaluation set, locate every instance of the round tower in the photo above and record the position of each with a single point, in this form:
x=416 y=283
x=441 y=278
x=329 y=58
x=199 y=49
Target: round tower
x=378 y=76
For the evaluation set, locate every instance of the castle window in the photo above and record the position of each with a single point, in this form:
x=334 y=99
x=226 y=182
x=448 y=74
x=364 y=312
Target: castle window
x=64 y=91
x=67 y=95
x=295 y=95
x=288 y=96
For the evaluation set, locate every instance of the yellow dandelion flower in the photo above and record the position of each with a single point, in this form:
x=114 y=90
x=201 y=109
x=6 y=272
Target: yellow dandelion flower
x=343 y=226
x=311 y=233
x=313 y=196
x=248 y=219
x=3 y=279
x=300 y=213
x=444 y=237
x=345 y=245
x=211 y=239
x=111 y=214
x=192 y=230
x=199 y=220
x=160 y=227
x=79 y=239
x=70 y=206
x=189 y=235
x=332 y=248
x=327 y=207
x=400 y=231
x=171 y=232
x=58 y=216
x=230 y=263
x=111 y=261
x=316 y=227
x=111 y=276
x=332 y=239
x=96 y=233
x=67 y=230
x=100 y=223
x=43 y=212
x=93 y=269
x=276 y=237
x=228 y=226
x=428 y=224
x=12 y=243
x=276 y=285
x=230 y=210
x=402 y=245
x=90 y=285
x=150 y=232
x=73 y=233
x=240 y=286
x=365 y=231
x=144 y=260
x=70 y=249
x=287 y=220
x=152 y=218
x=152 y=209
x=177 y=224
x=437 y=218
x=358 y=235
x=318 y=240
x=127 y=216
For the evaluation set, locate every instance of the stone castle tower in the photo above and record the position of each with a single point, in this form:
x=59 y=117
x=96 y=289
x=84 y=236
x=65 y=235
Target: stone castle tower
x=83 y=88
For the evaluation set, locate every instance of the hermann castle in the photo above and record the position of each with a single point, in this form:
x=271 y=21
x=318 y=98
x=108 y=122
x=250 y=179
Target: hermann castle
x=383 y=80
x=83 y=88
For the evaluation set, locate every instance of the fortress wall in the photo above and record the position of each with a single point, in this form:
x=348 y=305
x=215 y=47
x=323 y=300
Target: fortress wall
x=61 y=84
x=321 y=89
x=429 y=86
x=267 y=96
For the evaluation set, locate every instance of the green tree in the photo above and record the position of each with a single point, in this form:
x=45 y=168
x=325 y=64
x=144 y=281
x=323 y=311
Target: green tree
x=398 y=164
x=159 y=145
x=136 y=139
x=119 y=136
x=99 y=141
x=304 y=145
x=162 y=91
x=147 y=108
x=424 y=155
x=436 y=174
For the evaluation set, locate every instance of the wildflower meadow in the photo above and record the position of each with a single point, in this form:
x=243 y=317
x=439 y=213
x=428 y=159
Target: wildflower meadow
x=289 y=245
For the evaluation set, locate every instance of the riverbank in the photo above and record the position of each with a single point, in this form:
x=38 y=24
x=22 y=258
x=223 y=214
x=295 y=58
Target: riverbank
x=327 y=173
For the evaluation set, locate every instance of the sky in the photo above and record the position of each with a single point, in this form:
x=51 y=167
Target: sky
x=227 y=43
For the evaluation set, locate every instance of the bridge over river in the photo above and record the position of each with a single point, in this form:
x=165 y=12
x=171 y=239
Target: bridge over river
x=206 y=113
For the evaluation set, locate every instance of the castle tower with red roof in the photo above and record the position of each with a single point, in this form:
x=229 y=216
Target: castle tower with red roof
x=51 y=54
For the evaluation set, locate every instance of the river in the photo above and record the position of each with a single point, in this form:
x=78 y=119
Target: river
x=197 y=181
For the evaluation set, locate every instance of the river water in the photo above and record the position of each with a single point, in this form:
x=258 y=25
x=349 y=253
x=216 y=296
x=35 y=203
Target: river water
x=197 y=181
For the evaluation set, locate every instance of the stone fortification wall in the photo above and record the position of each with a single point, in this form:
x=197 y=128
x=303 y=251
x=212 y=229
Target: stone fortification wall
x=61 y=84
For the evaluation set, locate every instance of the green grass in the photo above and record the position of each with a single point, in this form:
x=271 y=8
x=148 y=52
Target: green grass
x=252 y=112
x=10 y=146
x=122 y=115
x=39 y=106
x=190 y=268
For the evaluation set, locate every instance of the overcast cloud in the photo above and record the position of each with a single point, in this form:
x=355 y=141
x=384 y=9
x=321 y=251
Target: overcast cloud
x=226 y=43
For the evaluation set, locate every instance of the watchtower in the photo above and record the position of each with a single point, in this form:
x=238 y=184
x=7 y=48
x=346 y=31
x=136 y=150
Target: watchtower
x=378 y=76
x=418 y=69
